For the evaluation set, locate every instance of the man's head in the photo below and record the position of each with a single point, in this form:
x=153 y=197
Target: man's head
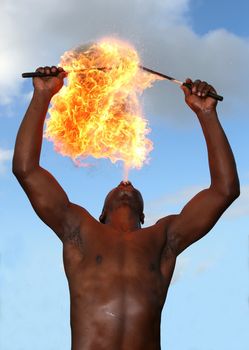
x=124 y=195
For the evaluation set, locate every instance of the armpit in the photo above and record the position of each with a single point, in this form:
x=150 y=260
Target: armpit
x=74 y=238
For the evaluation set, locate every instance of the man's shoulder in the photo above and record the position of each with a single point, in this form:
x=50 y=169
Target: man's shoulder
x=166 y=221
x=161 y=226
x=78 y=219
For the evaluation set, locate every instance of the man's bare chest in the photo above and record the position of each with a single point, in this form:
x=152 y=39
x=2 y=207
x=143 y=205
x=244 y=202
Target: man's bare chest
x=113 y=256
x=113 y=247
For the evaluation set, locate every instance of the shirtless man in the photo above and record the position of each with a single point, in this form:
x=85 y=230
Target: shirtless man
x=119 y=273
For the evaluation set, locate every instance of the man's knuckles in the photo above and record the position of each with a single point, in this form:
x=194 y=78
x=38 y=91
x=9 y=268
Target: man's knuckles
x=201 y=88
x=49 y=70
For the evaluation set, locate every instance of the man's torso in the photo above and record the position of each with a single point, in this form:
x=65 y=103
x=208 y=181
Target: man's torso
x=118 y=283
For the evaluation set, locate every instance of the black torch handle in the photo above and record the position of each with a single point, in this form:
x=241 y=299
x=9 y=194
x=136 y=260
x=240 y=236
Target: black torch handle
x=38 y=74
x=41 y=75
x=210 y=94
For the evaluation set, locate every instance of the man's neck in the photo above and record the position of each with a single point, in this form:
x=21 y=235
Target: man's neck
x=123 y=219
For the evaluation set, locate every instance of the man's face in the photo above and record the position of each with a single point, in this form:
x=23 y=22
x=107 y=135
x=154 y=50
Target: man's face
x=124 y=195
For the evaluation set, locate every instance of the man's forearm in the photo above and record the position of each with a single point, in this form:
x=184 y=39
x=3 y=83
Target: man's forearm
x=224 y=177
x=29 y=137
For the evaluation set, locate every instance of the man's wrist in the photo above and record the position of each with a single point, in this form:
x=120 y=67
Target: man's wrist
x=42 y=95
x=207 y=113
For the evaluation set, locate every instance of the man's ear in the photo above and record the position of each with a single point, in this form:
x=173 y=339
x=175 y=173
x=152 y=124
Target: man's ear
x=142 y=218
x=102 y=217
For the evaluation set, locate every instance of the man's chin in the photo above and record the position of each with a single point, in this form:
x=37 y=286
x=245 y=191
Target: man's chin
x=124 y=201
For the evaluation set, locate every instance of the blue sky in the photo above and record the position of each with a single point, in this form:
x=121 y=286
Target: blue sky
x=207 y=304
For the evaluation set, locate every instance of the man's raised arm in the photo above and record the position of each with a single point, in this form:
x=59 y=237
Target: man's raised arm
x=203 y=211
x=45 y=194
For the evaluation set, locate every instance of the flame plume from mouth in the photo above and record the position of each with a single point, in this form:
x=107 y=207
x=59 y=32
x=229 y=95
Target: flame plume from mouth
x=98 y=112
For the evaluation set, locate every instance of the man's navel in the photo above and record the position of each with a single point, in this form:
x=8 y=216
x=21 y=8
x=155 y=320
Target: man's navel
x=99 y=259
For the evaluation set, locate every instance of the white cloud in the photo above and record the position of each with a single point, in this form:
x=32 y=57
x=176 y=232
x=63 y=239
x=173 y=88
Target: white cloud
x=169 y=203
x=173 y=203
x=5 y=156
x=182 y=264
x=189 y=265
x=37 y=33
x=27 y=97
x=203 y=266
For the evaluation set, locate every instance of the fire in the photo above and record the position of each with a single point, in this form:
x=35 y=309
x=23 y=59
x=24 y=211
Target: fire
x=98 y=112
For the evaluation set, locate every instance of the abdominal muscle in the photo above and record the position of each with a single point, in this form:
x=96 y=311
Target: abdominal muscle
x=114 y=313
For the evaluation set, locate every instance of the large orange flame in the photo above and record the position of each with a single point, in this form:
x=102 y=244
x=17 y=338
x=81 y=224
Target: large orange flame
x=98 y=112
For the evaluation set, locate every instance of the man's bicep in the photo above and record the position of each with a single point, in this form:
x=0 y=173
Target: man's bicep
x=47 y=197
x=196 y=219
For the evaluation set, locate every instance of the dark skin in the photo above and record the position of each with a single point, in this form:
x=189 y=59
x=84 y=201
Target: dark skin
x=118 y=272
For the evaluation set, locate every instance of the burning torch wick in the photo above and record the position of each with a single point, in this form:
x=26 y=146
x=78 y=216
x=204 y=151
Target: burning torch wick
x=173 y=80
x=164 y=76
